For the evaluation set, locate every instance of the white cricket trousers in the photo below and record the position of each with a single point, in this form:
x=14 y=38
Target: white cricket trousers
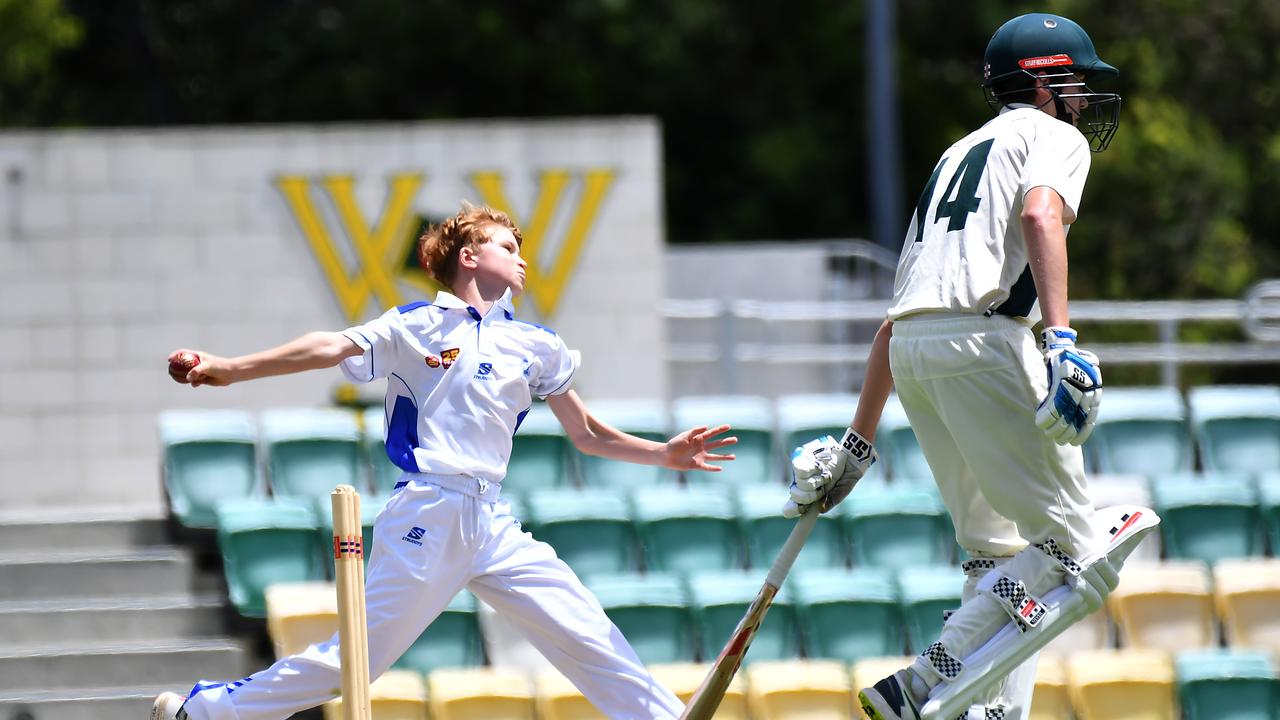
x=970 y=386
x=430 y=542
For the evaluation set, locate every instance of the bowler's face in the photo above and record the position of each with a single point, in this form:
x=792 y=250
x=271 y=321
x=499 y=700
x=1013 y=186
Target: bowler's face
x=499 y=260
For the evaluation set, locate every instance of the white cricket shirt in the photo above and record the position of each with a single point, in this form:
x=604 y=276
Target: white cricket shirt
x=964 y=251
x=458 y=383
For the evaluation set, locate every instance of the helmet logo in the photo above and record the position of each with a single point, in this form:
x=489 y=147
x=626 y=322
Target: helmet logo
x=1050 y=23
x=1045 y=61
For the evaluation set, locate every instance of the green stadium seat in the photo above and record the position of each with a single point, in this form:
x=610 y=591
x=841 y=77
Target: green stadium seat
x=1142 y=431
x=752 y=423
x=687 y=529
x=892 y=525
x=209 y=456
x=897 y=444
x=370 y=506
x=652 y=611
x=642 y=418
x=590 y=529
x=765 y=530
x=384 y=473
x=1227 y=685
x=311 y=451
x=540 y=452
x=720 y=599
x=1237 y=427
x=452 y=640
x=1208 y=517
x=1269 y=501
x=265 y=542
x=927 y=593
x=848 y=615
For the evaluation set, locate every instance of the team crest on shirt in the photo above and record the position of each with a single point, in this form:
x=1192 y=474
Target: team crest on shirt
x=448 y=357
x=432 y=361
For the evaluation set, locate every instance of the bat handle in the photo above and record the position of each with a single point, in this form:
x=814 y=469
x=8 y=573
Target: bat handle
x=795 y=543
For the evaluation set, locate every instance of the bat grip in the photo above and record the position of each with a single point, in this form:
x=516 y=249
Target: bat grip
x=795 y=543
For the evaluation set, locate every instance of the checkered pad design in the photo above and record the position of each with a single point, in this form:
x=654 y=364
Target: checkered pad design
x=989 y=713
x=977 y=566
x=1068 y=563
x=943 y=662
x=1023 y=608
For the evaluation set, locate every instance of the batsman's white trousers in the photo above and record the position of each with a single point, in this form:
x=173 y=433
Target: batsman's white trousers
x=970 y=386
x=430 y=542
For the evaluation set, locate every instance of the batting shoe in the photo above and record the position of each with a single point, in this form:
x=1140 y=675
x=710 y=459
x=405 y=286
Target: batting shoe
x=168 y=706
x=890 y=699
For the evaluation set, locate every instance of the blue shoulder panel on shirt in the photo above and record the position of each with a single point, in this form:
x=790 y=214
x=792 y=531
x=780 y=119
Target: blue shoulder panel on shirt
x=526 y=322
x=412 y=306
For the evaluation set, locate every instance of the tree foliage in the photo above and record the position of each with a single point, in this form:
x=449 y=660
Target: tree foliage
x=763 y=104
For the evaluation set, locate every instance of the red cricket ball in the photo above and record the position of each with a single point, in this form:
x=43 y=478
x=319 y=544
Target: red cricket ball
x=181 y=365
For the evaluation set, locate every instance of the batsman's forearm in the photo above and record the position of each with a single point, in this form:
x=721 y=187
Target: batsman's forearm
x=1046 y=240
x=876 y=385
x=312 y=351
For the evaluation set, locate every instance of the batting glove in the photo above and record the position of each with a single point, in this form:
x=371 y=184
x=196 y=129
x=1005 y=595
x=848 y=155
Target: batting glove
x=824 y=471
x=1067 y=413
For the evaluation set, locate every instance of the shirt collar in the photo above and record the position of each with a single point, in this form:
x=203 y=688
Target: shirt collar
x=450 y=301
x=1017 y=106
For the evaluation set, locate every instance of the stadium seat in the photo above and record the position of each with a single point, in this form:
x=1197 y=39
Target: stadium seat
x=896 y=524
x=869 y=671
x=383 y=473
x=899 y=444
x=1110 y=490
x=370 y=506
x=1092 y=632
x=1227 y=685
x=264 y=542
x=642 y=418
x=765 y=530
x=1247 y=593
x=540 y=452
x=479 y=694
x=683 y=679
x=395 y=695
x=590 y=529
x=1269 y=504
x=209 y=455
x=1142 y=431
x=927 y=592
x=1237 y=427
x=1208 y=517
x=309 y=451
x=1050 y=699
x=720 y=599
x=300 y=614
x=559 y=699
x=452 y=640
x=1164 y=606
x=803 y=417
x=752 y=423
x=652 y=611
x=848 y=615
x=1122 y=685
x=810 y=689
x=689 y=529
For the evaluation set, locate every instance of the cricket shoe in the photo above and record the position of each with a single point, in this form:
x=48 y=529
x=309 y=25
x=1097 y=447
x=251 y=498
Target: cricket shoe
x=168 y=706
x=890 y=699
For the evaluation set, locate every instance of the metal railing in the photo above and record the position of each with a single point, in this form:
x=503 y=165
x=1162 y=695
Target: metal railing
x=1258 y=313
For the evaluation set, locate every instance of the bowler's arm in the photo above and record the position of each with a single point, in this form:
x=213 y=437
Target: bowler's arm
x=312 y=351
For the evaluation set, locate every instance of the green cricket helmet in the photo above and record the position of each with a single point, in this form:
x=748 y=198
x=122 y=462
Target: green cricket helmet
x=1058 y=52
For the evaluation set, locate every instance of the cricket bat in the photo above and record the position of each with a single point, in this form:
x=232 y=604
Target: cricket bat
x=702 y=705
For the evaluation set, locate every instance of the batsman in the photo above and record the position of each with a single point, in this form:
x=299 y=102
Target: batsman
x=1000 y=417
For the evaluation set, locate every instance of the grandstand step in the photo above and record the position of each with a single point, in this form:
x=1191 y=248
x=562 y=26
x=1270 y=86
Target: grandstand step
x=109 y=619
x=100 y=573
x=87 y=533
x=173 y=663
x=111 y=703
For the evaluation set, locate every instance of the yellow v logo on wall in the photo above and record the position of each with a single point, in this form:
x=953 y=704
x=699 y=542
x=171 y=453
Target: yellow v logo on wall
x=385 y=253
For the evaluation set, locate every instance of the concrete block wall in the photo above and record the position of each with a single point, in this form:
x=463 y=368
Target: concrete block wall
x=118 y=246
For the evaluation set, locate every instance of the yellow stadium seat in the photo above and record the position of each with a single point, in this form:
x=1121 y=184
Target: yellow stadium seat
x=559 y=699
x=300 y=614
x=1122 y=685
x=479 y=694
x=1093 y=632
x=1164 y=606
x=1247 y=595
x=1050 y=699
x=397 y=695
x=799 y=690
x=684 y=678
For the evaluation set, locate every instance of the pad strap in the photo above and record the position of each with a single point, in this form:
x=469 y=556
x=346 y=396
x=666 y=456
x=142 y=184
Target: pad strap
x=941 y=661
x=1069 y=564
x=1012 y=597
x=977 y=567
